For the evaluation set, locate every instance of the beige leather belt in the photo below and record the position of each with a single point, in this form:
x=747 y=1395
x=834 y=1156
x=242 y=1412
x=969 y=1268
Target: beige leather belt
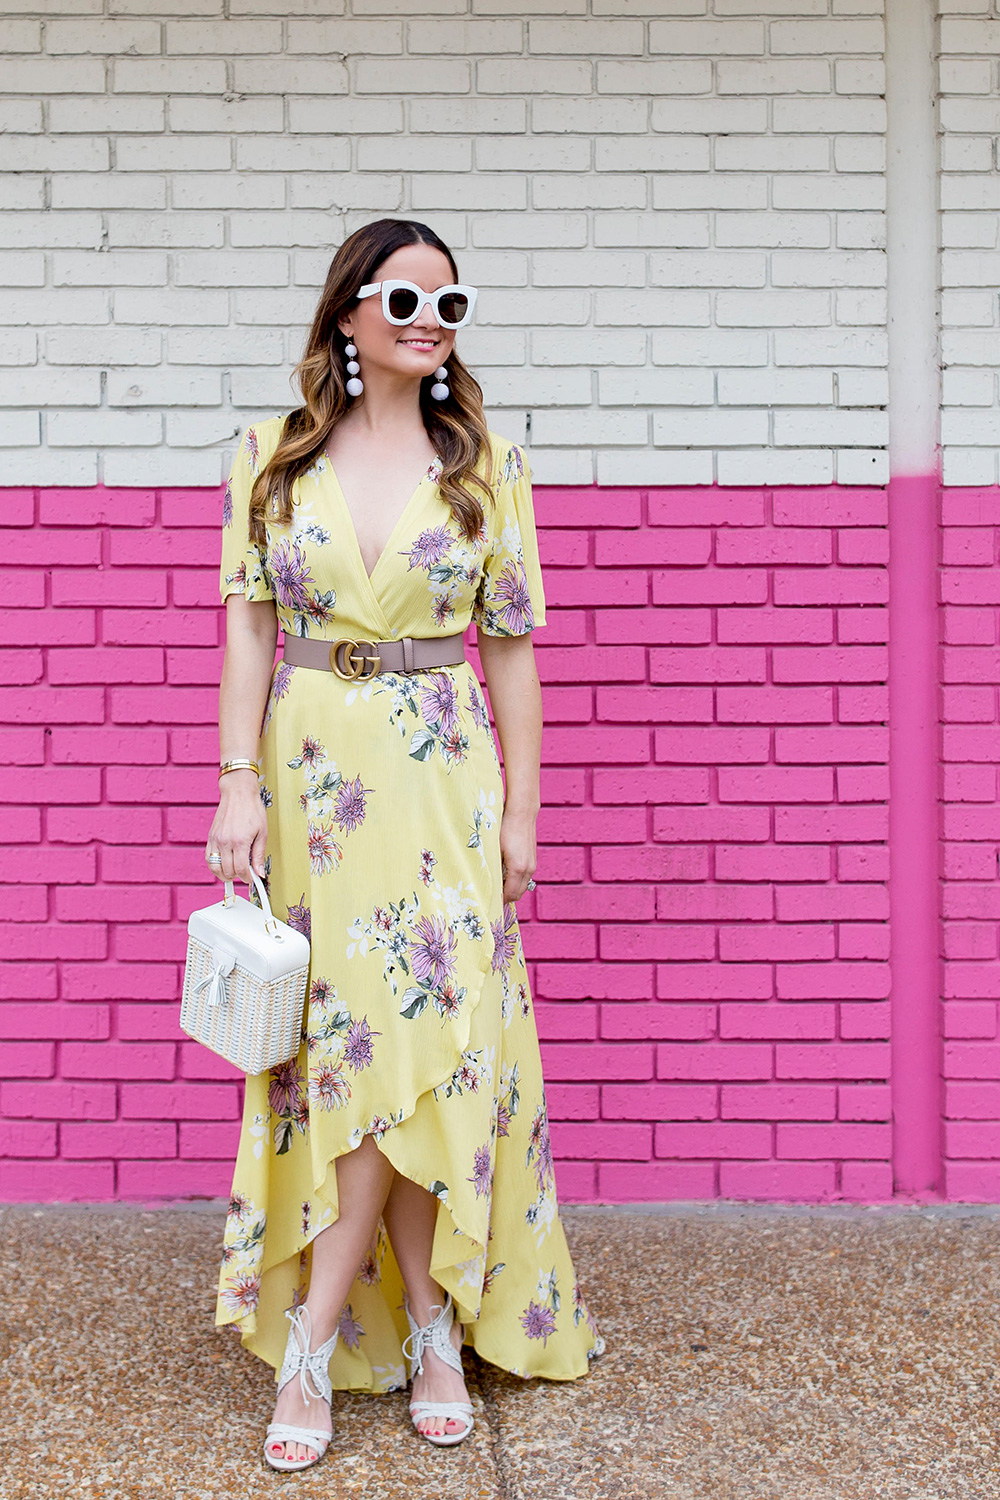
x=357 y=660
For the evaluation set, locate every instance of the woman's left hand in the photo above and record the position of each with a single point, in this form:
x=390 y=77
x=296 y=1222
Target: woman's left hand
x=517 y=852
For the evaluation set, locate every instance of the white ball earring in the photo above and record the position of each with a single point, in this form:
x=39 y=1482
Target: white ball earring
x=439 y=390
x=354 y=385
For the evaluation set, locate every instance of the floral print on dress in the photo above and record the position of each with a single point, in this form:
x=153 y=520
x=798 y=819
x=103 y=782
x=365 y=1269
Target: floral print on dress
x=504 y=939
x=432 y=951
x=351 y=1331
x=286 y=1096
x=540 y=1147
x=473 y=1072
x=300 y=917
x=542 y=1212
x=477 y=705
x=452 y=565
x=433 y=957
x=513 y=465
x=422 y=946
x=293 y=585
x=491 y=1275
x=539 y=1317
x=582 y=1313
x=482 y=1171
x=508 y=1100
x=510 y=613
x=506 y=948
x=243 y=567
x=242 y=1254
x=503 y=605
x=329 y=1087
x=335 y=1040
x=484 y=819
x=330 y=799
x=370 y=1273
x=280 y=683
x=384 y=799
x=290 y=576
x=318 y=467
x=433 y=699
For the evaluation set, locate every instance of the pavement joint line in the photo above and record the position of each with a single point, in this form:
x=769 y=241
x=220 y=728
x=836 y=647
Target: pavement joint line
x=719 y=1208
x=507 y=1486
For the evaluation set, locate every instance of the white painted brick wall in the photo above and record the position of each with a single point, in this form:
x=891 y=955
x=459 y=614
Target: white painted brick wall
x=969 y=84
x=673 y=208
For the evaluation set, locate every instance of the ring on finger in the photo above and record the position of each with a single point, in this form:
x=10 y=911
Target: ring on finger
x=215 y=858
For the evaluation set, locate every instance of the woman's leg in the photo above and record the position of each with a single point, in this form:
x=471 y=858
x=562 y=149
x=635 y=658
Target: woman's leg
x=409 y=1215
x=364 y=1177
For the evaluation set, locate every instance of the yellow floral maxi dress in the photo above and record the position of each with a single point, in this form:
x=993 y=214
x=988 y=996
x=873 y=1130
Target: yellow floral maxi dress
x=384 y=801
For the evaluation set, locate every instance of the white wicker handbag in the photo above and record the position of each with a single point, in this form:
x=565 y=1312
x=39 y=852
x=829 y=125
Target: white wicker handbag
x=244 y=982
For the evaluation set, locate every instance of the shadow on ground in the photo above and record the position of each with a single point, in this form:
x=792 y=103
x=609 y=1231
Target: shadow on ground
x=752 y=1353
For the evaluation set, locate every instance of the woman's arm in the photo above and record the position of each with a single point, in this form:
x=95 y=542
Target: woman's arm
x=239 y=829
x=516 y=698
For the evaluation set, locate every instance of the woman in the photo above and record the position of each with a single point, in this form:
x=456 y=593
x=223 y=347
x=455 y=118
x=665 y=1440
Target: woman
x=400 y=1166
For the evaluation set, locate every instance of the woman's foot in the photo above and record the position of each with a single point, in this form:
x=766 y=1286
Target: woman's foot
x=291 y=1407
x=438 y=1382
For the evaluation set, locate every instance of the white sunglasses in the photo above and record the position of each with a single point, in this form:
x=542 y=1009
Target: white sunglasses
x=402 y=302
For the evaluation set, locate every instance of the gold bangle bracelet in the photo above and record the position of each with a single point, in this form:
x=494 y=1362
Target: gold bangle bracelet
x=241 y=763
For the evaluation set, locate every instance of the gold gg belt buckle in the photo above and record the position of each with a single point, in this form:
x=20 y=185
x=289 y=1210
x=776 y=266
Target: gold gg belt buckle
x=355 y=661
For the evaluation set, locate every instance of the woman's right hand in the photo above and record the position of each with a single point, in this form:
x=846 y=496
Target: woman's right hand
x=239 y=828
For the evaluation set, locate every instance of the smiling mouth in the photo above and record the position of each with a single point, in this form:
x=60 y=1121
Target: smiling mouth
x=424 y=343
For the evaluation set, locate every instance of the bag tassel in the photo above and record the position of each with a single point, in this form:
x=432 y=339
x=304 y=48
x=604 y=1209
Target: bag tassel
x=216 y=982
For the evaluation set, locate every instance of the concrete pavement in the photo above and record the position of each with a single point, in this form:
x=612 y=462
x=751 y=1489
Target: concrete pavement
x=752 y=1352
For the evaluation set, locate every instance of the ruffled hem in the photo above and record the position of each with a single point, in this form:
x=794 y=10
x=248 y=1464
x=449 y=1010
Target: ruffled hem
x=374 y=1305
x=378 y=1308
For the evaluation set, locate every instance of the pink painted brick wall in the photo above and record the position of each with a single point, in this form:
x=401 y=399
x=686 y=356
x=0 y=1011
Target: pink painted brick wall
x=709 y=939
x=970 y=751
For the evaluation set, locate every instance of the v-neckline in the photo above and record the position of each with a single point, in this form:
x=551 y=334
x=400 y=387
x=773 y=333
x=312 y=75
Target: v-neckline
x=369 y=577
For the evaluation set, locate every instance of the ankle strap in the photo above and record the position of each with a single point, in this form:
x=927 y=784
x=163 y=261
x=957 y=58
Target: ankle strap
x=433 y=1335
x=308 y=1364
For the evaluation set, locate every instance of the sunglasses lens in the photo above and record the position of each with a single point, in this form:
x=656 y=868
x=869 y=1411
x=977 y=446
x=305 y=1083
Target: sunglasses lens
x=453 y=307
x=402 y=302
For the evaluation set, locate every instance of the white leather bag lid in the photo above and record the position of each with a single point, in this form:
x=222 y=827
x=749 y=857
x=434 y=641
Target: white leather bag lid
x=255 y=938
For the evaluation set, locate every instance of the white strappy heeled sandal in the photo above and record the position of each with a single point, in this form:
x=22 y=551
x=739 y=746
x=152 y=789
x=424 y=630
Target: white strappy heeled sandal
x=307 y=1366
x=436 y=1335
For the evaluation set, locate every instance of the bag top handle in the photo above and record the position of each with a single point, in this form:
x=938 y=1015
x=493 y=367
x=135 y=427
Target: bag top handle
x=270 y=924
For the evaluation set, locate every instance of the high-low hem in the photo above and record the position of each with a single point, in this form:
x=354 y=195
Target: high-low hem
x=284 y=1283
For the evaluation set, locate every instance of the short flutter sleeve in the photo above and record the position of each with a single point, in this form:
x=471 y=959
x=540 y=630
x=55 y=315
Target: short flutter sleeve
x=510 y=599
x=242 y=568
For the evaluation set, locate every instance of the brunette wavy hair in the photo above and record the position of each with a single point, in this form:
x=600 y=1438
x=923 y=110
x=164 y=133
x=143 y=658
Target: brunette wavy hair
x=456 y=427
